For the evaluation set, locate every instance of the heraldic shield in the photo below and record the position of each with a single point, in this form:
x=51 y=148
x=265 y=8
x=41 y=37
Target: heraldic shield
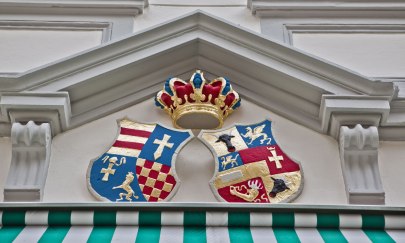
x=139 y=166
x=250 y=166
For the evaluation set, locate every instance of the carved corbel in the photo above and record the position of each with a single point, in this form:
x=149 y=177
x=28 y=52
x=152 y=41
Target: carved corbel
x=359 y=157
x=31 y=148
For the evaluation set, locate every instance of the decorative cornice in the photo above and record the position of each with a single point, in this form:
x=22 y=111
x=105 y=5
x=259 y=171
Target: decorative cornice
x=49 y=107
x=337 y=111
x=127 y=7
x=119 y=74
x=318 y=8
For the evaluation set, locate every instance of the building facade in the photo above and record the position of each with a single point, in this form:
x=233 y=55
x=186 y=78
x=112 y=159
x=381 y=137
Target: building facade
x=329 y=75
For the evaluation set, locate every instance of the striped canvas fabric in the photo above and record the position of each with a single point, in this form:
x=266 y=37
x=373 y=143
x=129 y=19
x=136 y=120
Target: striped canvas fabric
x=197 y=226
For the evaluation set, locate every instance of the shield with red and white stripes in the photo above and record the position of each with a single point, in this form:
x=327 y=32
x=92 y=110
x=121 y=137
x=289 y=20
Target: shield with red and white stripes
x=139 y=166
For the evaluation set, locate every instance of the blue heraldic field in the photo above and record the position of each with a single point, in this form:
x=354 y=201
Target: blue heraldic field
x=139 y=166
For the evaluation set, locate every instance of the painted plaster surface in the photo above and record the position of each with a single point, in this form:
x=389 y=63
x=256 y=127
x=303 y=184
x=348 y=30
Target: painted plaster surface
x=22 y=50
x=392 y=167
x=73 y=150
x=156 y=14
x=5 y=160
x=373 y=55
x=198 y=2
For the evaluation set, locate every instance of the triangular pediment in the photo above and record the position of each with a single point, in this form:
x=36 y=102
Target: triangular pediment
x=280 y=78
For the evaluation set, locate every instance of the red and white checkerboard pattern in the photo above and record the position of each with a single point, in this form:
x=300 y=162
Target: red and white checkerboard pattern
x=155 y=179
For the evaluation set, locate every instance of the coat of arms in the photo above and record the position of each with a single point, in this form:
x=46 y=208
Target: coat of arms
x=250 y=166
x=139 y=166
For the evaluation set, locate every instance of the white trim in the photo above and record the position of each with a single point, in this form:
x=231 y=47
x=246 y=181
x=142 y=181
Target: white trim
x=50 y=107
x=320 y=8
x=104 y=27
x=119 y=14
x=216 y=213
x=337 y=111
x=132 y=7
x=289 y=29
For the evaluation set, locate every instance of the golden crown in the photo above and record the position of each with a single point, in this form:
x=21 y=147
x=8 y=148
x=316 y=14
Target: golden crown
x=198 y=103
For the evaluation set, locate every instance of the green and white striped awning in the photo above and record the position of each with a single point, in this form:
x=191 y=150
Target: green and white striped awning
x=198 y=224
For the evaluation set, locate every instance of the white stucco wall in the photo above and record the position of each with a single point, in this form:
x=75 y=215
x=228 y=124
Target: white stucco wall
x=373 y=55
x=392 y=167
x=5 y=160
x=22 y=50
x=236 y=14
x=73 y=150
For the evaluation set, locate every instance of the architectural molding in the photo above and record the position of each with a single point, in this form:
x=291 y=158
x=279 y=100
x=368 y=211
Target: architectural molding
x=290 y=29
x=337 y=111
x=43 y=107
x=319 y=8
x=104 y=27
x=31 y=148
x=132 y=7
x=359 y=157
x=74 y=14
x=275 y=76
x=351 y=15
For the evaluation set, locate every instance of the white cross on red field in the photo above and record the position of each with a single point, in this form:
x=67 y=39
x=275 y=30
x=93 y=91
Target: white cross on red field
x=275 y=158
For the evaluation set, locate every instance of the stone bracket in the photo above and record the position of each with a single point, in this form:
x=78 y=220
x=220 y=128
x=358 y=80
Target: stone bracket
x=359 y=158
x=337 y=111
x=41 y=107
x=31 y=149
